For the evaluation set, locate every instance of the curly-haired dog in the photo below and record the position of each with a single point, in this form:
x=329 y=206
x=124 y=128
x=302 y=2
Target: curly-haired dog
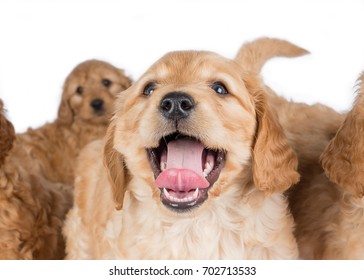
x=195 y=163
x=308 y=128
x=32 y=210
x=329 y=208
x=86 y=107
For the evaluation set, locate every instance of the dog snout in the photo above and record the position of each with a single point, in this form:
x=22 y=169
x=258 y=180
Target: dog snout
x=97 y=104
x=176 y=105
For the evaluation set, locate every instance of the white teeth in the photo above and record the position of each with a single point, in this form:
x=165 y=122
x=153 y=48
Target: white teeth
x=165 y=192
x=193 y=197
x=207 y=169
x=195 y=194
x=163 y=166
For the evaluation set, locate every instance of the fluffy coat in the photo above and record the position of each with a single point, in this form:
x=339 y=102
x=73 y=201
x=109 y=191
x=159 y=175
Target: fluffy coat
x=32 y=209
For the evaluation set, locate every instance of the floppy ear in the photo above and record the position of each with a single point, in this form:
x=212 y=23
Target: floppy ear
x=124 y=80
x=343 y=158
x=65 y=114
x=115 y=166
x=274 y=161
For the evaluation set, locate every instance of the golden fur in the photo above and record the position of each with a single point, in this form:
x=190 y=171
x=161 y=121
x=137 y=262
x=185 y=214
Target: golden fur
x=245 y=215
x=308 y=128
x=329 y=208
x=32 y=210
x=86 y=107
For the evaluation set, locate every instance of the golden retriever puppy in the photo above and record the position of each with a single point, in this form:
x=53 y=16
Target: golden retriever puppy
x=195 y=162
x=329 y=209
x=308 y=128
x=32 y=210
x=87 y=104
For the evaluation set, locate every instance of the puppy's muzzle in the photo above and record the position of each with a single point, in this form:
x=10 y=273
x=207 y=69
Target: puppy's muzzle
x=184 y=168
x=176 y=105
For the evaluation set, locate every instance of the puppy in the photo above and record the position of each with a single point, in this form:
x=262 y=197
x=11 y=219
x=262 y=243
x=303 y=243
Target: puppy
x=329 y=208
x=195 y=162
x=86 y=107
x=308 y=128
x=32 y=210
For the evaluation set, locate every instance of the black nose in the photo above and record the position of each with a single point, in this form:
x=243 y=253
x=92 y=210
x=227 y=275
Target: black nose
x=97 y=104
x=176 y=105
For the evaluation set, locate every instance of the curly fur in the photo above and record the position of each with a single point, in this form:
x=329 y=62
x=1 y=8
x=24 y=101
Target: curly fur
x=32 y=210
x=245 y=215
x=342 y=160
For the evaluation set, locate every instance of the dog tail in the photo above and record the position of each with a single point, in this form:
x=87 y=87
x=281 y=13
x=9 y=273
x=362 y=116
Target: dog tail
x=253 y=55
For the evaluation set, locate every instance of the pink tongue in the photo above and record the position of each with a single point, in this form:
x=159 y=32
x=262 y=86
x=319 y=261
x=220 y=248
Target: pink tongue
x=184 y=166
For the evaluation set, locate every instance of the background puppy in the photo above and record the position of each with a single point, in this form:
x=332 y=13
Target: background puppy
x=32 y=210
x=196 y=163
x=329 y=209
x=86 y=107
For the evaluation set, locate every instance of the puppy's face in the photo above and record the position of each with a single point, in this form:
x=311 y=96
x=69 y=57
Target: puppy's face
x=187 y=128
x=90 y=91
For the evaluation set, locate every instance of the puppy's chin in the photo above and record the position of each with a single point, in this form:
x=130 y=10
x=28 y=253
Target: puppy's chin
x=184 y=171
x=95 y=118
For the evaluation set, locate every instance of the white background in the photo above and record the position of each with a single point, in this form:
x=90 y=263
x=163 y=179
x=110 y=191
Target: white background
x=41 y=42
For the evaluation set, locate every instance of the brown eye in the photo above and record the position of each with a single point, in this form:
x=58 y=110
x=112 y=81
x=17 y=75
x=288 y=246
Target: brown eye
x=79 y=90
x=106 y=82
x=219 y=88
x=149 y=89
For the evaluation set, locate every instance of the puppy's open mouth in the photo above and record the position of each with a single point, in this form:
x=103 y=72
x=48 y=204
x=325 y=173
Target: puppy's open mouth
x=184 y=170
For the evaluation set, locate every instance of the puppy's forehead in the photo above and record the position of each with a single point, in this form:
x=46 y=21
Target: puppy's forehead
x=90 y=67
x=91 y=70
x=191 y=66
